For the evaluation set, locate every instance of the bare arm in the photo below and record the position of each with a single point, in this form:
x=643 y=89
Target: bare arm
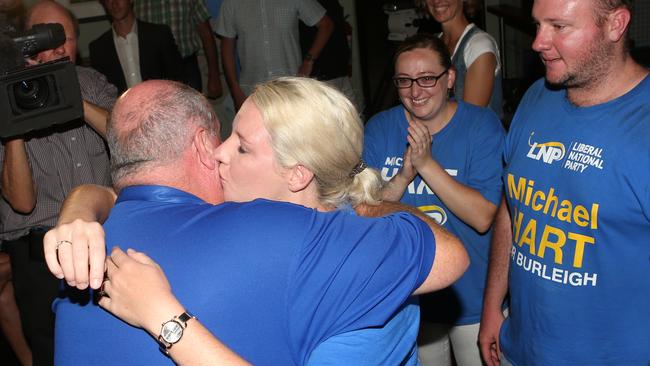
x=18 y=187
x=325 y=28
x=479 y=80
x=139 y=293
x=451 y=259
x=228 y=57
x=210 y=50
x=96 y=117
x=465 y=202
x=89 y=202
x=394 y=189
x=9 y=315
x=81 y=258
x=496 y=287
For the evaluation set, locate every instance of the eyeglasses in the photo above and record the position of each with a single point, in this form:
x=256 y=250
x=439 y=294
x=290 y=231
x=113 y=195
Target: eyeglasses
x=428 y=81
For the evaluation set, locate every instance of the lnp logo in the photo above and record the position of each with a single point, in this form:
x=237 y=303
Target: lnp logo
x=435 y=212
x=548 y=152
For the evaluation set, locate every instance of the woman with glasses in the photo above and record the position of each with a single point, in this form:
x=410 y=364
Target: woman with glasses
x=444 y=157
x=474 y=53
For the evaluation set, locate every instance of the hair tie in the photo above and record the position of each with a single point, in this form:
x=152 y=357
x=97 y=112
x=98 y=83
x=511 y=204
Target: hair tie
x=358 y=168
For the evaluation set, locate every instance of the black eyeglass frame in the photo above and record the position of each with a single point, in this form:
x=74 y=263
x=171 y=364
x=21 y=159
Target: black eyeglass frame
x=417 y=80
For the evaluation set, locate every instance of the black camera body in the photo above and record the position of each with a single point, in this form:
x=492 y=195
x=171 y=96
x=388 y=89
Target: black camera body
x=38 y=97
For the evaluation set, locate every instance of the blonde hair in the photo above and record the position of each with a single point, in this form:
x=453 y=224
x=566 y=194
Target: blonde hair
x=315 y=125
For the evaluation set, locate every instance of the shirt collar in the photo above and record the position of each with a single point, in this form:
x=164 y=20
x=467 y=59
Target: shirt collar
x=133 y=31
x=157 y=194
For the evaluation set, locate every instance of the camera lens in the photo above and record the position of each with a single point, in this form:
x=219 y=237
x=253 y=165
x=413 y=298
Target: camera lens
x=31 y=94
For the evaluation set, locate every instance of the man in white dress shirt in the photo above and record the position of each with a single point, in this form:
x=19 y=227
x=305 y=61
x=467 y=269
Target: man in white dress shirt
x=133 y=50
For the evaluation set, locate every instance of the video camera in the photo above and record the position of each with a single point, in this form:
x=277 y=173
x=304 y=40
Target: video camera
x=39 y=96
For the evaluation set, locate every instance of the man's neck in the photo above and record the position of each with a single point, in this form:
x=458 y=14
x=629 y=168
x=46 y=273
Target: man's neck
x=621 y=77
x=124 y=26
x=200 y=185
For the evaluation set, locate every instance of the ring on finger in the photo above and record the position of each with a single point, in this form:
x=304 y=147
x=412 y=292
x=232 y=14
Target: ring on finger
x=102 y=292
x=61 y=242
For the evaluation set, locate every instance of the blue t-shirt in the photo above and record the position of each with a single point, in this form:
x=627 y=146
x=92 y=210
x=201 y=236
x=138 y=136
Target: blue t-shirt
x=578 y=186
x=470 y=149
x=392 y=344
x=272 y=280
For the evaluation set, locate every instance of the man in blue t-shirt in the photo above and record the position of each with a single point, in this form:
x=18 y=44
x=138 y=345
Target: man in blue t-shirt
x=271 y=294
x=572 y=250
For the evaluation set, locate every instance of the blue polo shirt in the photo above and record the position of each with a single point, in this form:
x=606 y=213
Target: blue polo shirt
x=272 y=280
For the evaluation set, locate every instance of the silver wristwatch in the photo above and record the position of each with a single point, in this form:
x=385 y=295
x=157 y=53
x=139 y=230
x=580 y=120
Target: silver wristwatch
x=172 y=331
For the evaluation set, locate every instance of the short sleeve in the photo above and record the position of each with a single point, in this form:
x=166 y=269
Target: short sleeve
x=380 y=133
x=226 y=21
x=95 y=88
x=360 y=281
x=514 y=131
x=486 y=161
x=481 y=43
x=200 y=12
x=371 y=141
x=310 y=11
x=641 y=175
x=646 y=202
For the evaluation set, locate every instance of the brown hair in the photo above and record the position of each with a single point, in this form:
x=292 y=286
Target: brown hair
x=602 y=7
x=428 y=41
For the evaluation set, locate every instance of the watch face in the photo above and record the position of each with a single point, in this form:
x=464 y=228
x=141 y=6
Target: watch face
x=171 y=332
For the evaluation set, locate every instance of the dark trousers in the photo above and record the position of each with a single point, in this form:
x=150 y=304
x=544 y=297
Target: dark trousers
x=35 y=289
x=192 y=73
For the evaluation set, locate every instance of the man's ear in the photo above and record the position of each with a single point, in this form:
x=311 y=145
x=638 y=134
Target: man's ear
x=206 y=144
x=617 y=23
x=299 y=178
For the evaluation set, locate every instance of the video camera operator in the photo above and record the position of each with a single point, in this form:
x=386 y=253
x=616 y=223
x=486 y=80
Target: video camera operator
x=38 y=170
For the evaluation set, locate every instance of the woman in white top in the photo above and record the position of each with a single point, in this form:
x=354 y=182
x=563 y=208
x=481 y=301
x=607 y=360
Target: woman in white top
x=475 y=54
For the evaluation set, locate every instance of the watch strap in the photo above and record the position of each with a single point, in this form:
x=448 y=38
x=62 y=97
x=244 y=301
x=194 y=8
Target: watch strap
x=164 y=345
x=182 y=320
x=185 y=317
